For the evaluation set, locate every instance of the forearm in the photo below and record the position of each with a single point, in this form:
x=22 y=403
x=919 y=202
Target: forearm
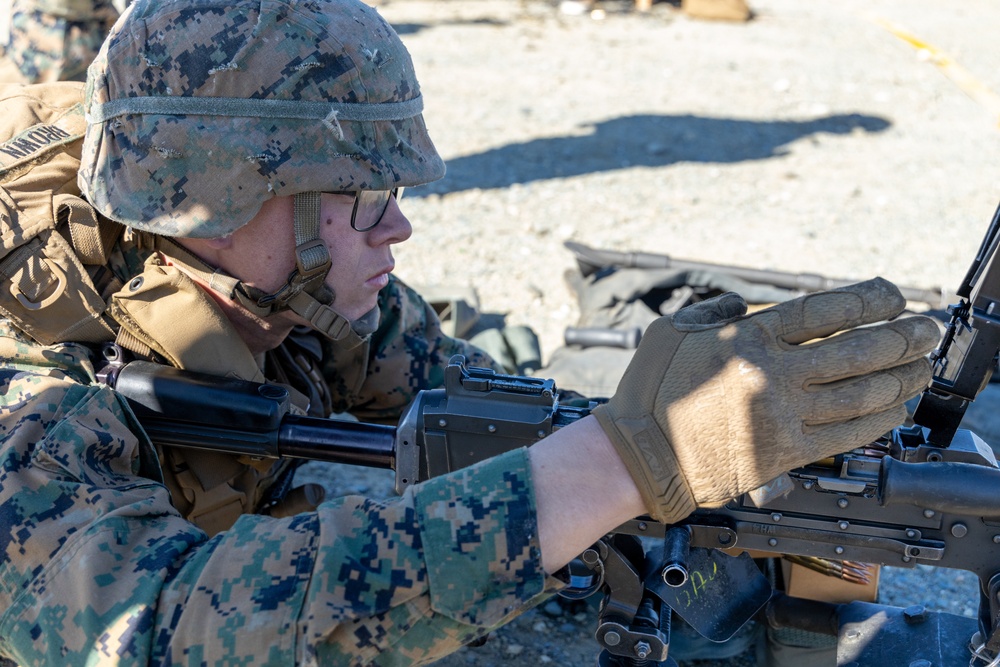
x=582 y=490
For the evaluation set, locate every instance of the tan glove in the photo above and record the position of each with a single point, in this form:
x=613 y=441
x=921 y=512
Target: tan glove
x=715 y=403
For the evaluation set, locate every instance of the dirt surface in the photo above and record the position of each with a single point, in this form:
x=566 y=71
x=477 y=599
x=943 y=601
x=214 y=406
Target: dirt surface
x=851 y=138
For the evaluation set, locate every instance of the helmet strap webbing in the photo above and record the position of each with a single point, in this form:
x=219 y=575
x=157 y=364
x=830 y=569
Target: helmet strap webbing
x=304 y=293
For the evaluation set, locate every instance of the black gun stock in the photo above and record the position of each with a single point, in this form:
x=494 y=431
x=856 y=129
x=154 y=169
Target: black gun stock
x=184 y=409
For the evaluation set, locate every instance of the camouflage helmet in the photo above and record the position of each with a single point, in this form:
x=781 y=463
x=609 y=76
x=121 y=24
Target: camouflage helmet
x=201 y=110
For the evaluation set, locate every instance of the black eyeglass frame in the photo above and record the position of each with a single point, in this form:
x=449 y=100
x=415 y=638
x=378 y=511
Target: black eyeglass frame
x=395 y=193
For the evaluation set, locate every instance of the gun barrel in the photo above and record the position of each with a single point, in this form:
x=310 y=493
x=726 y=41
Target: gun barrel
x=355 y=443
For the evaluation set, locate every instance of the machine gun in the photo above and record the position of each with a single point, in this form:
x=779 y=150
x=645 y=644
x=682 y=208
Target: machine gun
x=927 y=493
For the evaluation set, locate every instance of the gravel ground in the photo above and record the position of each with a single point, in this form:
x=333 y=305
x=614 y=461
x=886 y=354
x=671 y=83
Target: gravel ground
x=813 y=138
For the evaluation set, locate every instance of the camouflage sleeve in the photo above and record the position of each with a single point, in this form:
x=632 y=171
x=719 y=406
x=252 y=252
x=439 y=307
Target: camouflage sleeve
x=98 y=567
x=408 y=353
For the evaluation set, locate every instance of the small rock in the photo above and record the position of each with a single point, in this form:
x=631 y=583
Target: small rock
x=573 y=7
x=514 y=649
x=552 y=609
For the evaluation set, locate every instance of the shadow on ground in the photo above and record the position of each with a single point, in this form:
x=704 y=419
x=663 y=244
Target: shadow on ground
x=413 y=28
x=639 y=141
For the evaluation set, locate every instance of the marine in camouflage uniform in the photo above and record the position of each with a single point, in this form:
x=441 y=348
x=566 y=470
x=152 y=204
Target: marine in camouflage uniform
x=204 y=118
x=104 y=566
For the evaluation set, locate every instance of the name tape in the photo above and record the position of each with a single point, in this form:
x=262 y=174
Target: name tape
x=37 y=140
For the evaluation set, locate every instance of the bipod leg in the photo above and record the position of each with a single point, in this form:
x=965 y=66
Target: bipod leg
x=633 y=625
x=985 y=644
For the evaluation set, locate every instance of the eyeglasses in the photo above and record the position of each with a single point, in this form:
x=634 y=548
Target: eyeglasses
x=370 y=206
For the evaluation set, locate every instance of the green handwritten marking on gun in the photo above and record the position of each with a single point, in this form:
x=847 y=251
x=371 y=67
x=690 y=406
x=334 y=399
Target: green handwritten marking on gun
x=719 y=595
x=699 y=583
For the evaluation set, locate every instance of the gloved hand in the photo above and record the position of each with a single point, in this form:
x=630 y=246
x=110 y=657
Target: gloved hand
x=715 y=403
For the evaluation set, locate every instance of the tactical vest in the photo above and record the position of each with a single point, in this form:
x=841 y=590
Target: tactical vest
x=54 y=253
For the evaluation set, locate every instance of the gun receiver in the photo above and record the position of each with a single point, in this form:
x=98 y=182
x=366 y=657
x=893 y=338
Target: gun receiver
x=900 y=501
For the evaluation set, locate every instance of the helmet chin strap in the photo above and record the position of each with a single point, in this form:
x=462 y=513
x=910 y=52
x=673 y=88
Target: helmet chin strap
x=304 y=293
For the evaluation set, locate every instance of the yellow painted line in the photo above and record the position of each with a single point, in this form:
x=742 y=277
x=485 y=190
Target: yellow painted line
x=960 y=76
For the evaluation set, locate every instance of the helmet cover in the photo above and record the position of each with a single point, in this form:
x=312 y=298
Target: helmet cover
x=201 y=110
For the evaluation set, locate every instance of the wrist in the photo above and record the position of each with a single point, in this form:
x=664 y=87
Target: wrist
x=643 y=450
x=613 y=471
x=582 y=490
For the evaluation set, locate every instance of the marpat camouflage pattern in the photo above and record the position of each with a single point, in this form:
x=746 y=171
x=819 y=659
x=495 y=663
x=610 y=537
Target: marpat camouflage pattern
x=100 y=567
x=191 y=130
x=52 y=40
x=202 y=110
